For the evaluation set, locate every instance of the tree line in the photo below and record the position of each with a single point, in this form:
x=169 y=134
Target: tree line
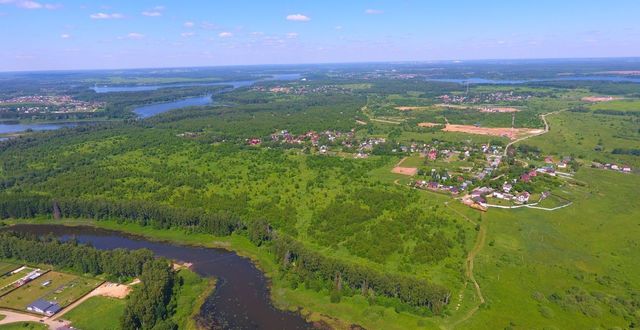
x=118 y=263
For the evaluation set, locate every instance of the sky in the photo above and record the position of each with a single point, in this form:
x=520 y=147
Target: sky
x=68 y=34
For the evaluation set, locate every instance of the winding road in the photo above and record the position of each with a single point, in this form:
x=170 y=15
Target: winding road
x=546 y=129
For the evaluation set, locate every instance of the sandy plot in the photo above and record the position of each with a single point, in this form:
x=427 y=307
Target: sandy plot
x=489 y=109
x=511 y=133
x=113 y=290
x=594 y=99
x=410 y=108
x=405 y=170
x=426 y=124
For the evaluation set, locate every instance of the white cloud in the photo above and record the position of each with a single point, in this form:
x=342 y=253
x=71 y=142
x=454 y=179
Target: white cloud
x=189 y=24
x=30 y=4
x=65 y=36
x=298 y=18
x=339 y=27
x=106 y=16
x=187 y=34
x=373 y=12
x=225 y=34
x=257 y=34
x=292 y=35
x=133 y=36
x=152 y=13
x=155 y=12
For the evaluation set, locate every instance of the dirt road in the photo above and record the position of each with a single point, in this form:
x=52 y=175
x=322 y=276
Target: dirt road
x=13 y=317
x=546 y=129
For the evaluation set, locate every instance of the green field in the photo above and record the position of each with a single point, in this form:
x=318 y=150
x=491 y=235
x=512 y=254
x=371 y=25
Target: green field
x=621 y=105
x=579 y=134
x=6 y=267
x=23 y=326
x=568 y=269
x=97 y=313
x=63 y=289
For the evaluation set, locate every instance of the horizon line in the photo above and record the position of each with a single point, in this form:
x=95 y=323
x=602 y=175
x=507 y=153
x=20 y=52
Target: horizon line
x=446 y=61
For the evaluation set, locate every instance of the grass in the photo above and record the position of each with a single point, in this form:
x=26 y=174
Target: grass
x=539 y=262
x=6 y=267
x=192 y=295
x=64 y=289
x=579 y=133
x=623 y=105
x=23 y=326
x=97 y=313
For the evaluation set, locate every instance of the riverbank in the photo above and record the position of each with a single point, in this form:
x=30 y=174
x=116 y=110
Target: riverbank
x=314 y=306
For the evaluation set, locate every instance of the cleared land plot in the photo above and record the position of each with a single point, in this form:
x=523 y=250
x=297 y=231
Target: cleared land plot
x=412 y=108
x=63 y=289
x=511 y=133
x=595 y=99
x=6 y=281
x=98 y=313
x=405 y=170
x=484 y=108
x=425 y=124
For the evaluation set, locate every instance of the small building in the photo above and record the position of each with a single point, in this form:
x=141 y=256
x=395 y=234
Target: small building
x=44 y=307
x=506 y=187
x=523 y=197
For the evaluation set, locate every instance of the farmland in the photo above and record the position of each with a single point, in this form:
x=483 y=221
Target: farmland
x=62 y=289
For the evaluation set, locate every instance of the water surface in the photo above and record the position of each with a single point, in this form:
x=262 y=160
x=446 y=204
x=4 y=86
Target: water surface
x=15 y=128
x=157 y=108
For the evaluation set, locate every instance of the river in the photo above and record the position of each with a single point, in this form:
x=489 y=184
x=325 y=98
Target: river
x=241 y=299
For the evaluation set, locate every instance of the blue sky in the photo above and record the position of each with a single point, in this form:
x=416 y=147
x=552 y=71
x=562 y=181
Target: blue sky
x=59 y=34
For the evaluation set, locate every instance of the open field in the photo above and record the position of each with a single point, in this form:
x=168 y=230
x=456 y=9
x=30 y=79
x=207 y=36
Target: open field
x=511 y=133
x=63 y=289
x=574 y=268
x=99 y=313
x=620 y=105
x=23 y=326
x=580 y=134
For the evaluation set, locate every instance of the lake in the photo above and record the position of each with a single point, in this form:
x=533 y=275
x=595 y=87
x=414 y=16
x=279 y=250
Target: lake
x=481 y=81
x=241 y=299
x=15 y=128
x=157 y=108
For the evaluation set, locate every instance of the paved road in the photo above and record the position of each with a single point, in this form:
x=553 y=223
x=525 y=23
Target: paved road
x=13 y=317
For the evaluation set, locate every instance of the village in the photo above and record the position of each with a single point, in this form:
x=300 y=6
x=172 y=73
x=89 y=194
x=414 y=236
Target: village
x=37 y=104
x=484 y=98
